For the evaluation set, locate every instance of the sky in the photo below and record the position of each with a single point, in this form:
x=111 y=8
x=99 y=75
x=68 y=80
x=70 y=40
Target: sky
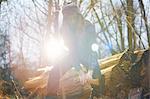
x=31 y=48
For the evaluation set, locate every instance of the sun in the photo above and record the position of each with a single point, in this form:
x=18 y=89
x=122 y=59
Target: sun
x=55 y=48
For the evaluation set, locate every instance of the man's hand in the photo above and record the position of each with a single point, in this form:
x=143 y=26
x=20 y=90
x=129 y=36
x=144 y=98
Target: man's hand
x=87 y=78
x=94 y=82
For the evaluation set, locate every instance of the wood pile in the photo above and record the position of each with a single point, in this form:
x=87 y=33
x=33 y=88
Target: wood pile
x=110 y=68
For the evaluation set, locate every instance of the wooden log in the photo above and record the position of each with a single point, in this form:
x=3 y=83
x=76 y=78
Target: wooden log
x=106 y=65
x=110 y=61
x=113 y=60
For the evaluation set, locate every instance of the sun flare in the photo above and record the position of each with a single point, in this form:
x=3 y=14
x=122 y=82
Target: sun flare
x=55 y=48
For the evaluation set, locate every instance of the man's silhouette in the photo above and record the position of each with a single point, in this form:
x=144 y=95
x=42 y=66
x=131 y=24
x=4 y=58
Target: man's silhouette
x=78 y=35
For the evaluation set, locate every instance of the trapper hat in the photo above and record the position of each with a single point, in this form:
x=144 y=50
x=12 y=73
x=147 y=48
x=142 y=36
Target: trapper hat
x=70 y=8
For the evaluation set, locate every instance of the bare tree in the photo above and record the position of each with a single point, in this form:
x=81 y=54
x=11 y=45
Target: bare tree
x=143 y=12
x=130 y=23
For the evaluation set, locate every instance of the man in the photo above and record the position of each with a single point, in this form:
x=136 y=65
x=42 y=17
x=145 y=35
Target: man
x=69 y=30
x=78 y=36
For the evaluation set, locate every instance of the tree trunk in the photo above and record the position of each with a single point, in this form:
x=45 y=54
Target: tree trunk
x=145 y=19
x=119 y=24
x=130 y=23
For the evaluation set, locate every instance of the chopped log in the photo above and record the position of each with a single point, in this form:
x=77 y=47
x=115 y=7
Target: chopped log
x=113 y=60
x=38 y=83
x=110 y=61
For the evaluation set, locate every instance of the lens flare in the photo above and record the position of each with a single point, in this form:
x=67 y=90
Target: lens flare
x=95 y=47
x=55 y=48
